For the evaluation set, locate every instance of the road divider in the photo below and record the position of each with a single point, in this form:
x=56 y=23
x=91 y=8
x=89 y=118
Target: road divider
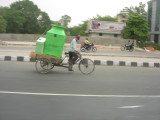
x=97 y=62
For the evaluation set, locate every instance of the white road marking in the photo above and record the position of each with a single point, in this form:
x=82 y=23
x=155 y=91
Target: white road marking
x=126 y=107
x=83 y=95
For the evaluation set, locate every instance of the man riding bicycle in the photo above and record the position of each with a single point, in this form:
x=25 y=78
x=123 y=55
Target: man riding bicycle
x=73 y=52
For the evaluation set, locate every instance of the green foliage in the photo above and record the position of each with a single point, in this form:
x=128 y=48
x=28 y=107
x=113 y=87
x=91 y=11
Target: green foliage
x=137 y=9
x=80 y=29
x=36 y=20
x=3 y=25
x=43 y=22
x=25 y=17
x=65 y=20
x=30 y=12
x=105 y=18
x=154 y=45
x=136 y=28
x=3 y=10
x=15 y=21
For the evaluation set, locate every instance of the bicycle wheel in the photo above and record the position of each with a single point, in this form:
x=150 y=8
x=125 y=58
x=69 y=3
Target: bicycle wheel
x=86 y=66
x=94 y=49
x=43 y=66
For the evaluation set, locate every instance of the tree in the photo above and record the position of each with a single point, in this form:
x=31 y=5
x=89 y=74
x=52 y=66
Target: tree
x=137 y=9
x=3 y=25
x=80 y=29
x=14 y=20
x=65 y=20
x=44 y=22
x=33 y=15
x=104 y=18
x=136 y=28
x=3 y=10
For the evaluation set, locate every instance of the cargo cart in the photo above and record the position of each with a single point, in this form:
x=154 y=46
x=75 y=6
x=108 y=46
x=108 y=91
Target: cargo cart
x=45 y=63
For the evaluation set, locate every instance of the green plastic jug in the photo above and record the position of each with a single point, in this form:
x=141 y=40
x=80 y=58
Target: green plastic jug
x=55 y=39
x=40 y=45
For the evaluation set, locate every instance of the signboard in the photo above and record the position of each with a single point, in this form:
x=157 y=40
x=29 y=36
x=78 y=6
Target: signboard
x=106 y=25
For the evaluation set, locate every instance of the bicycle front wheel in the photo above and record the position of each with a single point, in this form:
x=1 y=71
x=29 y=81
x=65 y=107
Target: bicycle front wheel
x=86 y=66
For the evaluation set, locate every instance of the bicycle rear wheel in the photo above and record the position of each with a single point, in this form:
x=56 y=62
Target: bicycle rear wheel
x=43 y=66
x=86 y=66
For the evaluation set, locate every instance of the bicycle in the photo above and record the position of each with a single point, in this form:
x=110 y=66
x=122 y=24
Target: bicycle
x=45 y=63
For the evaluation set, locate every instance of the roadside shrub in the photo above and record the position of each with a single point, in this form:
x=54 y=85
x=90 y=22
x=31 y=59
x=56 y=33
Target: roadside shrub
x=154 y=45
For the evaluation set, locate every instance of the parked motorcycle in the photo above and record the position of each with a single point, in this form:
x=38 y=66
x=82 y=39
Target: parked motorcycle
x=86 y=48
x=127 y=47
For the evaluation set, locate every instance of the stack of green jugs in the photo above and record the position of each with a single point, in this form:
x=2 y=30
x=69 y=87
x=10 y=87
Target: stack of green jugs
x=54 y=43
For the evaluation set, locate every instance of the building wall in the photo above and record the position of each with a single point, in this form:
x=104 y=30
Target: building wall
x=33 y=37
x=122 y=17
x=103 y=35
x=104 y=29
x=154 y=20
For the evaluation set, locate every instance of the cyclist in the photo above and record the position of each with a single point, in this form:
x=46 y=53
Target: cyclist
x=73 y=51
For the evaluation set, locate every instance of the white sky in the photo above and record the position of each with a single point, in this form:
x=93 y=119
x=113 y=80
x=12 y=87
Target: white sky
x=80 y=10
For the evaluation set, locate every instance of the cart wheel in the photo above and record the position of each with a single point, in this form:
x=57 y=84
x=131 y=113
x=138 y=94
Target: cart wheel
x=94 y=49
x=86 y=66
x=43 y=66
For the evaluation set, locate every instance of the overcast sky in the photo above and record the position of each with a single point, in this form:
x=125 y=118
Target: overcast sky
x=80 y=10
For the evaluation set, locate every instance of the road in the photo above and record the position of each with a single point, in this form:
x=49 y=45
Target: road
x=109 y=93
x=25 y=50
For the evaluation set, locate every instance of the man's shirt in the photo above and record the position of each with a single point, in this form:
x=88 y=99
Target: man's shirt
x=73 y=46
x=86 y=42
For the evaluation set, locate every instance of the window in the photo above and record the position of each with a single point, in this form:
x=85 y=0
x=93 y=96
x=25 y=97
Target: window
x=100 y=34
x=156 y=37
x=115 y=35
x=157 y=16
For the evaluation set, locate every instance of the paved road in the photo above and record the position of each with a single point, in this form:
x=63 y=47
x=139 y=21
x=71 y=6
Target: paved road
x=27 y=49
x=114 y=93
x=102 y=55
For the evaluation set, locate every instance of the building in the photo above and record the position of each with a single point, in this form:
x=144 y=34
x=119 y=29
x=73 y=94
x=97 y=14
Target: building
x=122 y=17
x=154 y=20
x=105 y=29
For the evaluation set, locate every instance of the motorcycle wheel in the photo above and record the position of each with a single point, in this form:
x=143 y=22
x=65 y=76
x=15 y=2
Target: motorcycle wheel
x=94 y=49
x=122 y=48
x=131 y=49
x=82 y=49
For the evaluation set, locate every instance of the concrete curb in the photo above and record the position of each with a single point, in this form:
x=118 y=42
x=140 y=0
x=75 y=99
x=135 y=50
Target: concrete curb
x=97 y=62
